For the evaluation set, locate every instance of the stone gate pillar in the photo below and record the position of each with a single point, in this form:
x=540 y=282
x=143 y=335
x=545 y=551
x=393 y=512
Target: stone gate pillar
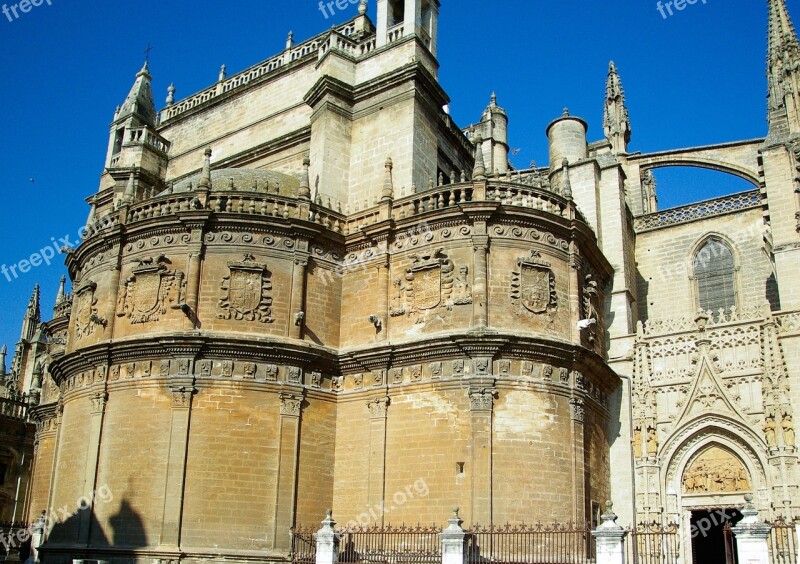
x=610 y=539
x=752 y=536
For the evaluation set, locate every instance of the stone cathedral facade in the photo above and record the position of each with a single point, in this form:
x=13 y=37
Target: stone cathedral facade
x=307 y=287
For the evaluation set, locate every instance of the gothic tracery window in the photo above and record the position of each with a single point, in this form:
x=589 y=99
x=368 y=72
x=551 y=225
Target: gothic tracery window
x=715 y=276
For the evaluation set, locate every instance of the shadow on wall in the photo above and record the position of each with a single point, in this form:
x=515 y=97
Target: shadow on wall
x=126 y=529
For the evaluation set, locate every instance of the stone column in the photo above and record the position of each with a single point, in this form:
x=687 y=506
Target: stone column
x=298 y=295
x=182 y=391
x=328 y=541
x=376 y=486
x=481 y=410
x=454 y=541
x=752 y=536
x=480 y=312
x=577 y=410
x=382 y=307
x=288 y=454
x=193 y=283
x=98 y=399
x=610 y=539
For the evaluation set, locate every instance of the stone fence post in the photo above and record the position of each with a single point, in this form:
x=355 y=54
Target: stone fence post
x=454 y=541
x=327 y=541
x=610 y=539
x=752 y=536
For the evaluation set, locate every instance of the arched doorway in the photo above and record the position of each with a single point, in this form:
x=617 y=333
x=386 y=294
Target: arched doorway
x=713 y=484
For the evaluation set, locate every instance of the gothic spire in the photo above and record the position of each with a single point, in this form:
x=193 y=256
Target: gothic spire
x=616 y=123
x=783 y=72
x=61 y=296
x=33 y=316
x=139 y=102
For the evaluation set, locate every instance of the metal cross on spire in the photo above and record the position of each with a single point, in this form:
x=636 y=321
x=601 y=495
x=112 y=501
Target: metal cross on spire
x=147 y=52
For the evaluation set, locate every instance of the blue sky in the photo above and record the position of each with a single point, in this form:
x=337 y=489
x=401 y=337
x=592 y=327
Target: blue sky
x=694 y=78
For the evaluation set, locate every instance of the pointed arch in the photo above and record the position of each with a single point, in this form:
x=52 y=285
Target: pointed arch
x=715 y=264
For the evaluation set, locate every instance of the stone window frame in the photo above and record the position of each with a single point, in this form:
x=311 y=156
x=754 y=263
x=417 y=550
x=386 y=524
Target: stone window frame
x=737 y=267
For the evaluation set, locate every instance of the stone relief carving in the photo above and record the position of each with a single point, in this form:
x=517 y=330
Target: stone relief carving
x=591 y=297
x=247 y=292
x=462 y=291
x=397 y=375
x=397 y=306
x=358 y=381
x=429 y=287
x=271 y=372
x=458 y=367
x=227 y=368
x=86 y=318
x=578 y=409
x=316 y=379
x=788 y=430
x=416 y=373
x=145 y=295
x=436 y=370
x=482 y=399
x=378 y=408
x=291 y=404
x=716 y=470
x=250 y=370
x=533 y=287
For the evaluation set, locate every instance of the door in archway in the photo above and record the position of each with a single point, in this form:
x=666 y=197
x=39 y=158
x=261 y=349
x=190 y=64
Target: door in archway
x=708 y=535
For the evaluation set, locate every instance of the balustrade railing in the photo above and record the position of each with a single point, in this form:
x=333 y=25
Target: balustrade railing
x=444 y=197
x=700 y=210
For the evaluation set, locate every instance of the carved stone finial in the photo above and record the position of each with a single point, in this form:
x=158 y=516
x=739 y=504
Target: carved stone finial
x=223 y=73
x=304 y=193
x=388 y=184
x=290 y=40
x=362 y=7
x=616 y=122
x=566 y=188
x=171 y=94
x=205 y=175
x=479 y=172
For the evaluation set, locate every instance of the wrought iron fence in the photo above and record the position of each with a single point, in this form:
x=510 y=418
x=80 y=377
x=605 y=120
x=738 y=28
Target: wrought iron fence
x=391 y=545
x=531 y=544
x=783 y=542
x=653 y=543
x=304 y=546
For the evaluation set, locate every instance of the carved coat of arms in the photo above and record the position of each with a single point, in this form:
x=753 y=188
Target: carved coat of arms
x=246 y=292
x=429 y=282
x=533 y=285
x=147 y=293
x=85 y=310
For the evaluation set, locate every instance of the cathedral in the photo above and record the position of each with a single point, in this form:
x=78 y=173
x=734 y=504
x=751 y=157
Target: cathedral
x=306 y=287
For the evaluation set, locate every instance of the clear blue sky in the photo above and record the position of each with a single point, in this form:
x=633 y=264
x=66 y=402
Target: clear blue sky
x=695 y=78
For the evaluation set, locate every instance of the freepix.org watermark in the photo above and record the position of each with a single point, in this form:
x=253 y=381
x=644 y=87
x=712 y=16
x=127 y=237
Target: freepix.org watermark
x=329 y=7
x=16 y=11
x=46 y=254
x=56 y=516
x=665 y=8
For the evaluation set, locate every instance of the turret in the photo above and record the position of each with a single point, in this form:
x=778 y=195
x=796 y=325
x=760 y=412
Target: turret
x=567 y=140
x=403 y=18
x=616 y=123
x=493 y=129
x=134 y=145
